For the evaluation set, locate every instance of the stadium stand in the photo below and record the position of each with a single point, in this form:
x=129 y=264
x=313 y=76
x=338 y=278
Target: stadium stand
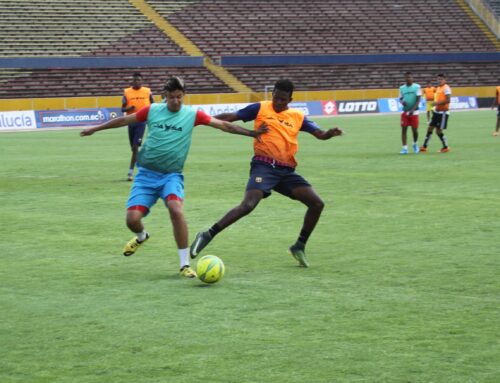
x=370 y=76
x=115 y=28
x=103 y=82
x=495 y=6
x=249 y=27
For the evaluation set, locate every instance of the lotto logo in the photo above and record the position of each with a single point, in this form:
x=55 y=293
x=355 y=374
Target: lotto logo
x=329 y=108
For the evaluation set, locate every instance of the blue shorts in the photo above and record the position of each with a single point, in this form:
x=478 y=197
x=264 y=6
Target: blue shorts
x=267 y=177
x=150 y=185
x=135 y=133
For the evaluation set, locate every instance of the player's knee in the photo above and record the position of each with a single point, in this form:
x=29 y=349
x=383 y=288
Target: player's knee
x=318 y=205
x=246 y=207
x=133 y=220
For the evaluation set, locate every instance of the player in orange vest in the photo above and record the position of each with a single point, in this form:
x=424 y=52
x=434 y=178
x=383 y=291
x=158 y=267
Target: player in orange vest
x=496 y=102
x=134 y=99
x=429 y=92
x=440 y=114
x=273 y=165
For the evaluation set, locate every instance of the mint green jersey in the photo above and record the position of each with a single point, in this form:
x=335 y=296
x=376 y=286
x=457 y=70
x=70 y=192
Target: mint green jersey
x=409 y=94
x=168 y=139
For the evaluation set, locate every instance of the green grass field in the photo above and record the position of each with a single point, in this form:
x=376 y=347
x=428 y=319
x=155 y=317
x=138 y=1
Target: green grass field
x=403 y=287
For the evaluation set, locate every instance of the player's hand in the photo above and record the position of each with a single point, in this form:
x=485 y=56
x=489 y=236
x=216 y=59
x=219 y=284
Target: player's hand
x=87 y=132
x=263 y=128
x=403 y=103
x=333 y=132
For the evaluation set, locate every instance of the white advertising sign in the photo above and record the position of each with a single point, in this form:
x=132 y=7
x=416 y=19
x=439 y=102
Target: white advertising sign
x=23 y=119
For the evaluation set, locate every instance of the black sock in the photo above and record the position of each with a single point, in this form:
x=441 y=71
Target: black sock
x=303 y=237
x=214 y=230
x=427 y=139
x=443 y=140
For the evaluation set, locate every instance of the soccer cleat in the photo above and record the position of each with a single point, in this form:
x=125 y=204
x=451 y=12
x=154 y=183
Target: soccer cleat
x=444 y=150
x=132 y=245
x=423 y=149
x=188 y=272
x=130 y=178
x=495 y=134
x=404 y=151
x=416 y=150
x=298 y=253
x=202 y=239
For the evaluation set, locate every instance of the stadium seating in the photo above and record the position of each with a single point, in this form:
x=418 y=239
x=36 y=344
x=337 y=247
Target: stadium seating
x=495 y=6
x=65 y=27
x=80 y=28
x=250 y=27
x=324 y=77
x=103 y=82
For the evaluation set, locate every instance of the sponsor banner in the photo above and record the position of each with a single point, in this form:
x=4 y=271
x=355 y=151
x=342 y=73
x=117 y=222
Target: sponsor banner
x=357 y=106
x=313 y=108
x=23 y=119
x=462 y=102
x=386 y=105
x=393 y=105
x=75 y=117
x=214 y=109
x=329 y=108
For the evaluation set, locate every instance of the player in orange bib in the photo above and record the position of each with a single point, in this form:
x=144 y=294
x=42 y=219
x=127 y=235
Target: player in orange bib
x=440 y=114
x=496 y=103
x=273 y=165
x=429 y=92
x=134 y=99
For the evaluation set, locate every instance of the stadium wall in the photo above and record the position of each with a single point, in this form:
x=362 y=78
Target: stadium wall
x=223 y=98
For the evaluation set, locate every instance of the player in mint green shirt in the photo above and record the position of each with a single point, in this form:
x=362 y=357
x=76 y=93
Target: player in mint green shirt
x=161 y=161
x=409 y=96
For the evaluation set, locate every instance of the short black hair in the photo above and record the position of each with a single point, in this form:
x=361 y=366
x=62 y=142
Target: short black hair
x=408 y=73
x=174 y=83
x=137 y=74
x=284 y=85
x=441 y=75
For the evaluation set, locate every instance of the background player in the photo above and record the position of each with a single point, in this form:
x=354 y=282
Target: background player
x=273 y=165
x=134 y=98
x=429 y=92
x=440 y=114
x=409 y=96
x=161 y=161
x=496 y=103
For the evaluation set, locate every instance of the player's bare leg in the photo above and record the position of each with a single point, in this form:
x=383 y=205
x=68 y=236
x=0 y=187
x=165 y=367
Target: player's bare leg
x=180 y=229
x=250 y=202
x=133 y=160
x=134 y=223
x=404 y=140
x=315 y=205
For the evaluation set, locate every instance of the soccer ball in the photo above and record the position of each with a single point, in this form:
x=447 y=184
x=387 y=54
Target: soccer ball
x=210 y=269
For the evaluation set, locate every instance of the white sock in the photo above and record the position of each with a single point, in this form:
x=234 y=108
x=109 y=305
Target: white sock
x=141 y=236
x=184 y=257
x=405 y=146
x=130 y=172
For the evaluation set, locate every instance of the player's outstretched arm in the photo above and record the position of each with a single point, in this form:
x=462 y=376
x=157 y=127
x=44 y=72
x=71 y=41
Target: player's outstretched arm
x=115 y=123
x=231 y=117
x=326 y=135
x=235 y=129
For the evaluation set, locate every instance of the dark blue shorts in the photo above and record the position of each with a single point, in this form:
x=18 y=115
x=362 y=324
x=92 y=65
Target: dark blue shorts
x=135 y=133
x=267 y=177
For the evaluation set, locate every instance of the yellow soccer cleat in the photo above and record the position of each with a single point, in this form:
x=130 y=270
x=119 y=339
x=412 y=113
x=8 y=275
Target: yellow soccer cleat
x=188 y=272
x=132 y=245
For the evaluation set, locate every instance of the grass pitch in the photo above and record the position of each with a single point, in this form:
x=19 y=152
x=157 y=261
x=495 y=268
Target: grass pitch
x=403 y=284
